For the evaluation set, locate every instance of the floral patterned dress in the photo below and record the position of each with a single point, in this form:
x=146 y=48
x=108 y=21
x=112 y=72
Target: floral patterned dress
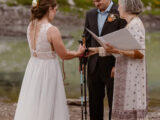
x=130 y=83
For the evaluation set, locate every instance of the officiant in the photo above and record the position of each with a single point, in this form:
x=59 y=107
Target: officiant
x=101 y=20
x=130 y=82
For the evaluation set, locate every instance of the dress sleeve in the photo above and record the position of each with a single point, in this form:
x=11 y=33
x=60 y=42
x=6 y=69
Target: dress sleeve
x=138 y=32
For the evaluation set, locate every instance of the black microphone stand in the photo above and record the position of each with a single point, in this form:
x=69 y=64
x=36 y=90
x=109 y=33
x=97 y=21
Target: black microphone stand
x=83 y=63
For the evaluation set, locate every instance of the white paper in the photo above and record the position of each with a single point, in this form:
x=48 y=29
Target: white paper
x=121 y=39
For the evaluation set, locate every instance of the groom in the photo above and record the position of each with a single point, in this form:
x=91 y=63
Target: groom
x=101 y=20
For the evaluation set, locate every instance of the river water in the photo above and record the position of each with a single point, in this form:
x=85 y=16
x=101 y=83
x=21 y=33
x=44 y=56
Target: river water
x=14 y=55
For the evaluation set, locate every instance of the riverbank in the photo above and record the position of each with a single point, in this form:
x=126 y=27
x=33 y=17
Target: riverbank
x=7 y=111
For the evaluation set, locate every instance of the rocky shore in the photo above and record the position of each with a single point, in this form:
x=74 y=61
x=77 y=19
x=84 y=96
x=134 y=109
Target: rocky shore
x=14 y=21
x=7 y=111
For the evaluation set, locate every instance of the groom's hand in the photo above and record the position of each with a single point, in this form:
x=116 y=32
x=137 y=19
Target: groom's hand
x=92 y=51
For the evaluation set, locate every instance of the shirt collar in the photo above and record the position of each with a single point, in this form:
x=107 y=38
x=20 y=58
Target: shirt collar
x=107 y=10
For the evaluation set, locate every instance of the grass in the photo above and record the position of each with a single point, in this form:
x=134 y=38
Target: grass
x=62 y=2
x=84 y=3
x=24 y=2
x=152 y=12
x=29 y=2
x=11 y=3
x=73 y=11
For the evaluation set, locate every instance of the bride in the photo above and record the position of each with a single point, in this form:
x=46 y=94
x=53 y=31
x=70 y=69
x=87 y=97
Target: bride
x=42 y=95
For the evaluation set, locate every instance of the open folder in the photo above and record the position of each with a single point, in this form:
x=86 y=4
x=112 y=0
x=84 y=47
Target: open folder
x=121 y=39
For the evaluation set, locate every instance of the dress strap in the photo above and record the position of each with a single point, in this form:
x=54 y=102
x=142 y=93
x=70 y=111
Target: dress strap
x=34 y=40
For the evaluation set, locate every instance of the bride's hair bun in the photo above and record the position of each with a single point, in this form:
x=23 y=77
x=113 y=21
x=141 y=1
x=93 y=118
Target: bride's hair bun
x=39 y=11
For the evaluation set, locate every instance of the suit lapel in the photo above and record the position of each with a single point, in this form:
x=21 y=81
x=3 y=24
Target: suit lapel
x=104 y=26
x=95 y=21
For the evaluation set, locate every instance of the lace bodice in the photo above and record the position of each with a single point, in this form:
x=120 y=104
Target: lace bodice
x=43 y=47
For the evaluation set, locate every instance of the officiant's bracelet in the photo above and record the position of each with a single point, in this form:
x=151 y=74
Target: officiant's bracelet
x=102 y=51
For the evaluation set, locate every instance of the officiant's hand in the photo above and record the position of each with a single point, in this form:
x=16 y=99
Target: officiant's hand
x=110 y=49
x=135 y=54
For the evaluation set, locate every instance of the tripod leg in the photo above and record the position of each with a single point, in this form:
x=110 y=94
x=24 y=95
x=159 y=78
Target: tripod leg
x=85 y=92
x=82 y=98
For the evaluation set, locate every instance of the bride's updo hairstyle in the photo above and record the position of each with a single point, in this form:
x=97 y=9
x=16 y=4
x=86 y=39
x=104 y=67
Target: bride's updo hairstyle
x=39 y=11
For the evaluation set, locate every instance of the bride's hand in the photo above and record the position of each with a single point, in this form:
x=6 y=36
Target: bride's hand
x=81 y=50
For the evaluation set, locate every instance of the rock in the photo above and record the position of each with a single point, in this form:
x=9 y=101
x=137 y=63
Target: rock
x=3 y=1
x=14 y=21
x=71 y=2
x=7 y=111
x=151 y=22
x=76 y=102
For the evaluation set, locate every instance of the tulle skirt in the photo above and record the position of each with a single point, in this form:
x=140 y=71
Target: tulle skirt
x=42 y=95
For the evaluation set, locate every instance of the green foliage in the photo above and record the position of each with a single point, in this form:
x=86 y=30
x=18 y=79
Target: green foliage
x=29 y=2
x=62 y=2
x=87 y=4
x=11 y=3
x=73 y=11
x=152 y=12
x=24 y=2
x=156 y=3
x=84 y=3
x=152 y=3
x=116 y=1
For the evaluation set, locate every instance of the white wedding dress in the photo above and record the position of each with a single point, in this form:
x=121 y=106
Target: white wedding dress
x=42 y=95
